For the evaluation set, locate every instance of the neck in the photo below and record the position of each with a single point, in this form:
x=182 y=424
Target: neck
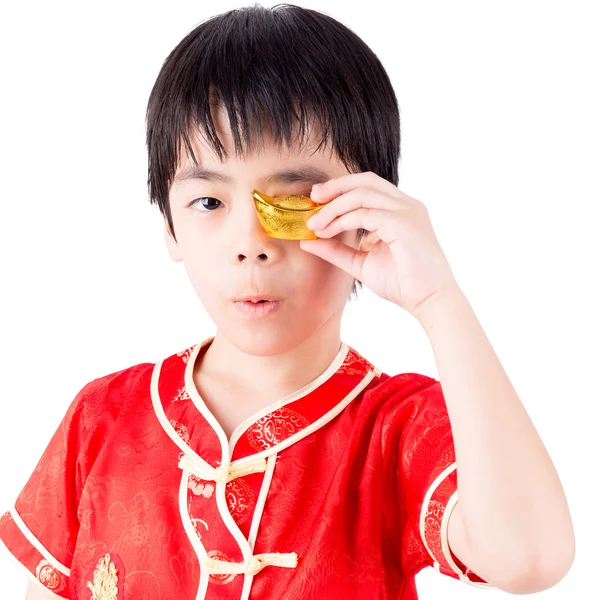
x=286 y=371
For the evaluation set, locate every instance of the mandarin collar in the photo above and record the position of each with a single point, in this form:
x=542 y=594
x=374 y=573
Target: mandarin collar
x=191 y=425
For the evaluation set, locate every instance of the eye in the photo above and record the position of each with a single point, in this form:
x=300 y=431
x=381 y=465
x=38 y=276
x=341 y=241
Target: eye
x=197 y=200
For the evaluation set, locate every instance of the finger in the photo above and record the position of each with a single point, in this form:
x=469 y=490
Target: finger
x=371 y=219
x=354 y=199
x=340 y=185
x=337 y=253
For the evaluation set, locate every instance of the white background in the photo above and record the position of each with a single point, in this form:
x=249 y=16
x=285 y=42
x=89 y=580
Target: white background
x=500 y=139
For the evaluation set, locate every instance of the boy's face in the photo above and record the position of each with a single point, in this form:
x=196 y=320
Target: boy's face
x=227 y=253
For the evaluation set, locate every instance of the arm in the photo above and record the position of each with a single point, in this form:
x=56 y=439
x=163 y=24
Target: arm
x=512 y=524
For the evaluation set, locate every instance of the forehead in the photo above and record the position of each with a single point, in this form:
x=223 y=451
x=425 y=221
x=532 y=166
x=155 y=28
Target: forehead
x=304 y=148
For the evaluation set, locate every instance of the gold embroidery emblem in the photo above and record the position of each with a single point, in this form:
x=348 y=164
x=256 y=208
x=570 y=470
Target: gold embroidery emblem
x=105 y=580
x=274 y=428
x=49 y=576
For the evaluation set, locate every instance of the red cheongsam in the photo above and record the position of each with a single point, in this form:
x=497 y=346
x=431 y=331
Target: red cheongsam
x=342 y=489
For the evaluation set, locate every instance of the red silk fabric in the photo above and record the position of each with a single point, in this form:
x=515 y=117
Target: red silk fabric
x=351 y=459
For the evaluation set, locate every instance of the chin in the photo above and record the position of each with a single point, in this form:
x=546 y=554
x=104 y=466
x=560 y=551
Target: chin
x=267 y=337
x=265 y=341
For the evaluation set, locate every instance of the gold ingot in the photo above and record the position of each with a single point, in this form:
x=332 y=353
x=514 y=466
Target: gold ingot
x=284 y=217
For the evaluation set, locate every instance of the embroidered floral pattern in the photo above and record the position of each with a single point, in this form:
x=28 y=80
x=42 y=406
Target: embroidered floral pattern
x=275 y=427
x=182 y=394
x=200 y=489
x=200 y=525
x=354 y=364
x=414 y=547
x=185 y=354
x=105 y=580
x=240 y=499
x=430 y=430
x=181 y=430
x=49 y=576
x=220 y=578
x=433 y=520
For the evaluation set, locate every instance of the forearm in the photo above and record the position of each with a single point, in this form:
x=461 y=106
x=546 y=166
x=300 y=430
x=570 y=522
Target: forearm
x=512 y=503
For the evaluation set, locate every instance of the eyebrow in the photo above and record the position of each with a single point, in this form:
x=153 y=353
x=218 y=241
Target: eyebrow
x=306 y=174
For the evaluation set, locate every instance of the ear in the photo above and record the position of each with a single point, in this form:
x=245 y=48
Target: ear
x=172 y=245
x=369 y=241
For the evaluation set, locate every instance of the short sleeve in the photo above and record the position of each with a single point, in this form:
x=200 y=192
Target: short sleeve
x=40 y=529
x=420 y=483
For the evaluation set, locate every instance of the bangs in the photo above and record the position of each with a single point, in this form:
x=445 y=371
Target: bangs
x=288 y=122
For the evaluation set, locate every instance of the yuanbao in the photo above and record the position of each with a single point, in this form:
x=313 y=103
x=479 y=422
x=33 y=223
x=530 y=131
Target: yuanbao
x=285 y=217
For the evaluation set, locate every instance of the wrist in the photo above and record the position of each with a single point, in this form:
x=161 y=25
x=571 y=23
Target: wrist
x=441 y=304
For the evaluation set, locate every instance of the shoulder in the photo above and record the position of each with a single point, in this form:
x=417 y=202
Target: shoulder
x=95 y=416
x=407 y=401
x=102 y=399
x=403 y=387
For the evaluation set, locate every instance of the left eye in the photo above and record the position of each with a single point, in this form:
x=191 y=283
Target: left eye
x=197 y=200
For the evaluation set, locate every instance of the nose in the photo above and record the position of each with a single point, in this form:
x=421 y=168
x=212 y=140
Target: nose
x=252 y=244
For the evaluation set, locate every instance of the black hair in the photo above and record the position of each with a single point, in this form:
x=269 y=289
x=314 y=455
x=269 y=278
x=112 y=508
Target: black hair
x=283 y=65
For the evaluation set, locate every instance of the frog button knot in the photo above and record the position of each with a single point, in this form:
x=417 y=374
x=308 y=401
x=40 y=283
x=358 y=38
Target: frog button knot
x=254 y=566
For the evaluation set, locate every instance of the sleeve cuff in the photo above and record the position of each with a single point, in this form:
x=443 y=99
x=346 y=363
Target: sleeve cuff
x=31 y=554
x=438 y=504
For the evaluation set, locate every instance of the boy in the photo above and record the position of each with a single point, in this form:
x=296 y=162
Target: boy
x=271 y=460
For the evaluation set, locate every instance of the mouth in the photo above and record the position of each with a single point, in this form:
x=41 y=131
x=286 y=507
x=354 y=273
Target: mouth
x=260 y=307
x=258 y=299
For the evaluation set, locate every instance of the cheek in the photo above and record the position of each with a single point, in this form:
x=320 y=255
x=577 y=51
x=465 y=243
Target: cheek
x=198 y=237
x=323 y=281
